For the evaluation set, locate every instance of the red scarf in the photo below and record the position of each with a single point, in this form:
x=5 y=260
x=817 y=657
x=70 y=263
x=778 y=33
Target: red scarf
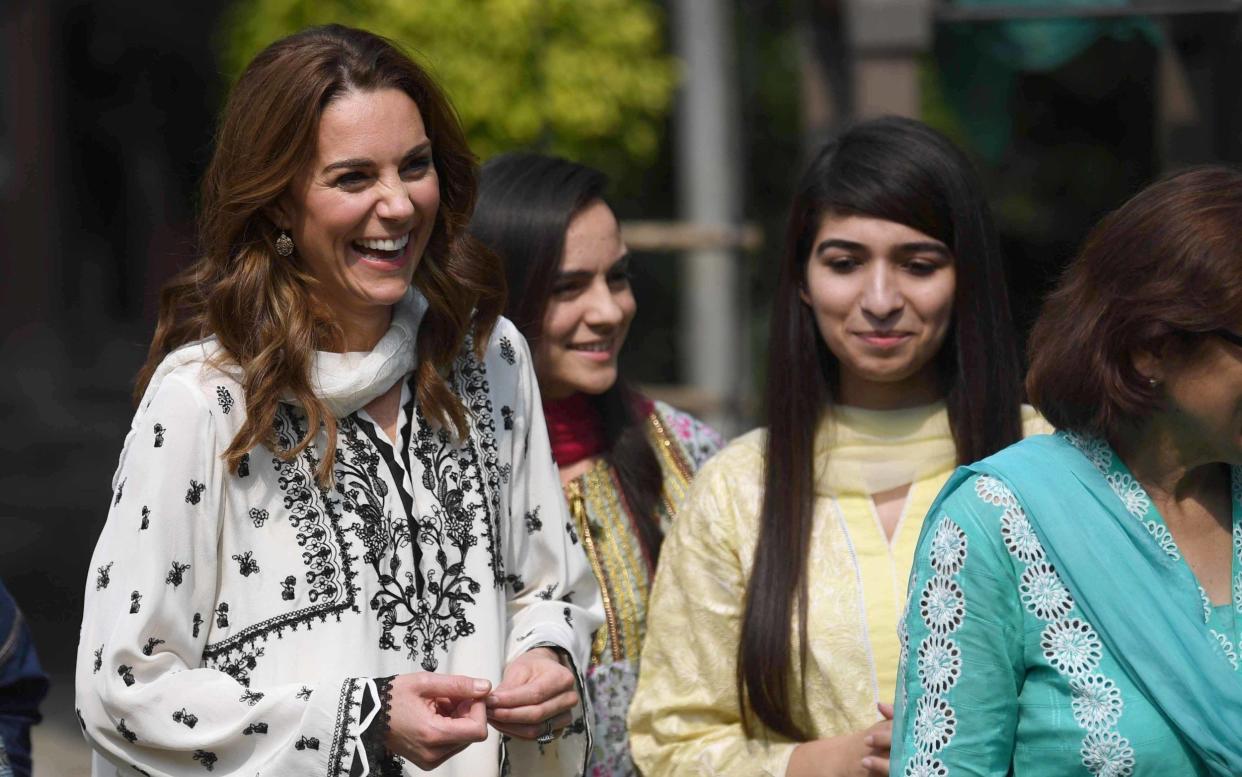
x=574 y=427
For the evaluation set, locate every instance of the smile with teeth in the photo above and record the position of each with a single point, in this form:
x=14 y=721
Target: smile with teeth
x=382 y=245
x=602 y=346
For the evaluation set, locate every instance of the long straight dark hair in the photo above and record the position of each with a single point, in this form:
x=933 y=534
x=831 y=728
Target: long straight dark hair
x=903 y=171
x=526 y=202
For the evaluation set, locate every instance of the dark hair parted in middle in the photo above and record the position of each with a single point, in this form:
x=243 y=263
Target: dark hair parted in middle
x=526 y=202
x=902 y=171
x=1154 y=276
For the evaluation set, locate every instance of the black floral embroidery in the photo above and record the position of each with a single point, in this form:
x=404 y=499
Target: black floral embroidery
x=159 y=435
x=206 y=758
x=194 y=494
x=307 y=743
x=533 y=524
x=240 y=664
x=146 y=518
x=506 y=350
x=516 y=582
x=98 y=660
x=135 y=602
x=225 y=399
x=258 y=516
x=568 y=598
x=569 y=618
x=304 y=693
x=478 y=458
x=198 y=622
x=243 y=466
x=546 y=593
x=176 y=574
x=119 y=490
x=250 y=697
x=255 y=728
x=573 y=534
x=187 y=719
x=286 y=588
x=126 y=673
x=103 y=576
x=222 y=615
x=247 y=566
x=506 y=413
x=149 y=648
x=124 y=731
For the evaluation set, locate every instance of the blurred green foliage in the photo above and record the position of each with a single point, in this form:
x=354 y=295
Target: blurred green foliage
x=587 y=79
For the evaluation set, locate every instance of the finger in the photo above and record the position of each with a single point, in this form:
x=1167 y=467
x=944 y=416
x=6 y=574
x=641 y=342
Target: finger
x=451 y=732
x=876 y=765
x=522 y=731
x=538 y=689
x=880 y=740
x=886 y=710
x=535 y=713
x=453 y=686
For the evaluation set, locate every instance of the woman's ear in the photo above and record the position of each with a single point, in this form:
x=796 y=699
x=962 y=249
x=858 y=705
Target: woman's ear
x=280 y=213
x=1150 y=364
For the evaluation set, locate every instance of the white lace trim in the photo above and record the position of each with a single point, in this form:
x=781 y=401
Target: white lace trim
x=1070 y=645
x=942 y=605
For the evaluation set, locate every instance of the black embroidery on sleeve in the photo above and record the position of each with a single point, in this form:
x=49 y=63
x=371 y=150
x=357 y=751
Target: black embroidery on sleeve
x=258 y=516
x=159 y=434
x=198 y=622
x=98 y=660
x=187 y=719
x=222 y=615
x=194 y=494
x=146 y=518
x=149 y=648
x=533 y=524
x=247 y=566
x=176 y=574
x=506 y=413
x=225 y=399
x=286 y=588
x=568 y=617
x=255 y=728
x=243 y=466
x=506 y=351
x=104 y=576
x=135 y=602
x=119 y=490
x=307 y=743
x=546 y=593
x=569 y=529
x=124 y=731
x=305 y=693
x=206 y=758
x=126 y=673
x=250 y=697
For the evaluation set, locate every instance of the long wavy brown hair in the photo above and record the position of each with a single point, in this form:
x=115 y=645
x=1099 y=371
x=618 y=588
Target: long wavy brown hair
x=261 y=307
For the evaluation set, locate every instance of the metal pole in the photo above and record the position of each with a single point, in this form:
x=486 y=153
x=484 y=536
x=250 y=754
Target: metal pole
x=708 y=167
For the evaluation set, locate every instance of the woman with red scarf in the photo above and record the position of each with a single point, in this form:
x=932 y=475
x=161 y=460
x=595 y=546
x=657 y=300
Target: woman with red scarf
x=625 y=461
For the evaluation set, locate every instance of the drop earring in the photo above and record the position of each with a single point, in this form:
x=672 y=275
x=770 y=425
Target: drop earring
x=284 y=244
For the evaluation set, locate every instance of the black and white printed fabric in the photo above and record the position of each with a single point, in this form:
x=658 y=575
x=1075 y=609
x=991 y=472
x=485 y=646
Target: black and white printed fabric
x=235 y=622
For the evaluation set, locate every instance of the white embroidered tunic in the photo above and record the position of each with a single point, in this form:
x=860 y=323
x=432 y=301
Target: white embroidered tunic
x=234 y=622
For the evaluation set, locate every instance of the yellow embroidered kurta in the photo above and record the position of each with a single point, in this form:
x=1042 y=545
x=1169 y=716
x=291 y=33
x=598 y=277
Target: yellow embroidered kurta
x=685 y=719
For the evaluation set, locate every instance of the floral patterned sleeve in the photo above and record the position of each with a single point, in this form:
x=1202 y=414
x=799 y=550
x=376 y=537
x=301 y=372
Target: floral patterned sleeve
x=698 y=439
x=961 y=641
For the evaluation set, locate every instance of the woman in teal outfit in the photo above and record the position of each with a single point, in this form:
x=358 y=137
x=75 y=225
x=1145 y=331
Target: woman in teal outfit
x=1076 y=600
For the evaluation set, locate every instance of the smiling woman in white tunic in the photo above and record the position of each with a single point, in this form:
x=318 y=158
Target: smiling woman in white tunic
x=337 y=543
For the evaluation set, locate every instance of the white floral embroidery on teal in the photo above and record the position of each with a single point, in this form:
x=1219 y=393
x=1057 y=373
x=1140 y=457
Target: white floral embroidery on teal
x=1207 y=605
x=1094 y=448
x=1108 y=754
x=994 y=492
x=942 y=605
x=1020 y=539
x=925 y=766
x=1130 y=492
x=1164 y=539
x=935 y=723
x=1097 y=702
x=948 y=548
x=1237 y=592
x=940 y=664
x=1237 y=527
x=1044 y=594
x=1071 y=646
x=1227 y=647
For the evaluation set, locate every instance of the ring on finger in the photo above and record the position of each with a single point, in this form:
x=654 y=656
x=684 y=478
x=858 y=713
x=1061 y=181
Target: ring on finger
x=545 y=733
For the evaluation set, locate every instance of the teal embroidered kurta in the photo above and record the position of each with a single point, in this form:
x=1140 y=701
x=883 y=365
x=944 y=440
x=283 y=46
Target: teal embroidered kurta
x=1002 y=673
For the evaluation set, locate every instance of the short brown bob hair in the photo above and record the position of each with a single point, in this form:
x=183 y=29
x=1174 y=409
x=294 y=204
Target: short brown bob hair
x=1154 y=276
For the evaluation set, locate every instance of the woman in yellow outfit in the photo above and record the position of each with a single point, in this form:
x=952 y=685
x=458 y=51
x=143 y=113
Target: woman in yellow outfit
x=772 y=644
